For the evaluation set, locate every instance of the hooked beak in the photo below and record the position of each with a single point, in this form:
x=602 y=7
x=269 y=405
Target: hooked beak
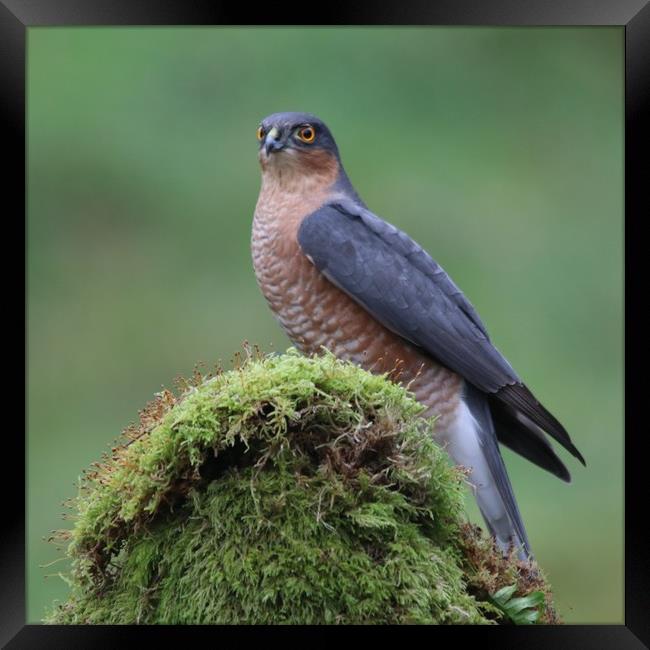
x=271 y=143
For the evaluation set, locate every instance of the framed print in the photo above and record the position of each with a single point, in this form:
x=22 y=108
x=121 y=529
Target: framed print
x=507 y=139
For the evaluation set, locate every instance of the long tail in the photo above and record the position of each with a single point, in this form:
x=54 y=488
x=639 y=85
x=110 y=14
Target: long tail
x=472 y=442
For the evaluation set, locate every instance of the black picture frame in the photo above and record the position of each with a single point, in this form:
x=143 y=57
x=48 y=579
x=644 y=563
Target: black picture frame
x=16 y=16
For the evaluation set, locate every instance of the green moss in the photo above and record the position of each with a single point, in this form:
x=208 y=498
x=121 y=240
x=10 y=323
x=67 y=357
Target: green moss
x=289 y=490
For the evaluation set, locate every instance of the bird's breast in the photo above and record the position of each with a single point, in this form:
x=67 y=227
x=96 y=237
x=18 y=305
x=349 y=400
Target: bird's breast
x=314 y=313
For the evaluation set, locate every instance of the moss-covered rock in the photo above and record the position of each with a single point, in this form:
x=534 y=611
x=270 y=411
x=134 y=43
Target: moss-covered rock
x=288 y=490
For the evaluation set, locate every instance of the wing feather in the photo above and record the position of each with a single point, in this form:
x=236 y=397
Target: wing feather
x=392 y=277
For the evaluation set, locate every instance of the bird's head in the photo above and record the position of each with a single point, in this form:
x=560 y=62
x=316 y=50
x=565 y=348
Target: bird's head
x=296 y=143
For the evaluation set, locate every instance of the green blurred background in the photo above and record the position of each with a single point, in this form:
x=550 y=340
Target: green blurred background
x=499 y=149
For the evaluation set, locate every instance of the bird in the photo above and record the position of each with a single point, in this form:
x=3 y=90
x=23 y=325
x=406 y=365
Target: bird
x=337 y=276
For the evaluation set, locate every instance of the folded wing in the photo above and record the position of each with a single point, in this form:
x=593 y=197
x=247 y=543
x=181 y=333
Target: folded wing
x=393 y=278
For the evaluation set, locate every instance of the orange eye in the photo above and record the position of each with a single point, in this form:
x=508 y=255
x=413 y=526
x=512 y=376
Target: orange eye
x=307 y=134
x=260 y=132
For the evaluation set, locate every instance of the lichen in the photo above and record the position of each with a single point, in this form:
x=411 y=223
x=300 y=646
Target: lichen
x=291 y=489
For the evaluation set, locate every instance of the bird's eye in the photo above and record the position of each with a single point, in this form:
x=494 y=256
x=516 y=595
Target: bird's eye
x=307 y=134
x=260 y=132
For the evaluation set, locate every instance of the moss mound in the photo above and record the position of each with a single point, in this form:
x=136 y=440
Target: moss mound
x=289 y=490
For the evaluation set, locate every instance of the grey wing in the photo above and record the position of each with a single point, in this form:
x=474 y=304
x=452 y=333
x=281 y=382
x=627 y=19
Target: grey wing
x=515 y=430
x=414 y=299
x=394 y=279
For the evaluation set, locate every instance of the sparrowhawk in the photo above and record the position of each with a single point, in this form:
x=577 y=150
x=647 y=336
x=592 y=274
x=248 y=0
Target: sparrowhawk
x=338 y=276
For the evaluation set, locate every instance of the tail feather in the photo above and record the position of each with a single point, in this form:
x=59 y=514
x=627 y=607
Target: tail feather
x=495 y=498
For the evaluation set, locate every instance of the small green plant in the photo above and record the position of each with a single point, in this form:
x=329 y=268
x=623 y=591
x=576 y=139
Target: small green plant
x=288 y=490
x=520 y=611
